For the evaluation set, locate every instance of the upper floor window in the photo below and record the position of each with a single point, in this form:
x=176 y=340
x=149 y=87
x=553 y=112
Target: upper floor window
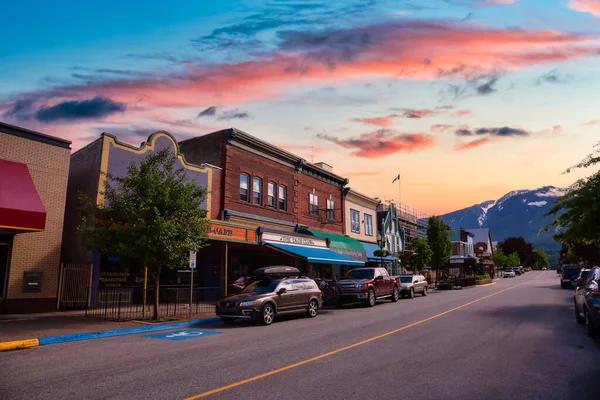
x=368 y=225
x=244 y=187
x=271 y=193
x=282 y=198
x=331 y=209
x=313 y=204
x=257 y=190
x=355 y=221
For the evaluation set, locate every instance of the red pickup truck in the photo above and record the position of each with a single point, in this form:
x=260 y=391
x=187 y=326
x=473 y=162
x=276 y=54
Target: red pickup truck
x=369 y=285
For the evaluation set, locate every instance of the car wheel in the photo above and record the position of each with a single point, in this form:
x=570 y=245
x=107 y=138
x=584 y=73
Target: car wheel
x=395 y=295
x=313 y=308
x=339 y=304
x=228 y=320
x=411 y=294
x=268 y=314
x=425 y=291
x=562 y=285
x=371 y=298
x=588 y=324
x=578 y=318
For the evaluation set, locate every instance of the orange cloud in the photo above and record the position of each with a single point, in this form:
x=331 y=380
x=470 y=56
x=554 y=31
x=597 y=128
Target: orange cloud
x=592 y=123
x=472 y=145
x=379 y=121
x=463 y=113
x=588 y=6
x=383 y=142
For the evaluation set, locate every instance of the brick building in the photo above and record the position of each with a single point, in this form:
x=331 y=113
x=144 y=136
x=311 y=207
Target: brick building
x=296 y=208
x=34 y=170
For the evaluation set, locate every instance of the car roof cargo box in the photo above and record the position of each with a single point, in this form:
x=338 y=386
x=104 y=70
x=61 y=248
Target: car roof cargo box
x=274 y=272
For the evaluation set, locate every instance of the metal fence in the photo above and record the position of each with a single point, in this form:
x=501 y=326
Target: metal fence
x=127 y=303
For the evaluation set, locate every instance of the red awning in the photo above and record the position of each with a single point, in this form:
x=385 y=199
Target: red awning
x=20 y=205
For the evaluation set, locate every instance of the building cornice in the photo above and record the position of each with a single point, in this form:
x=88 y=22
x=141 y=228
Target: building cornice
x=33 y=135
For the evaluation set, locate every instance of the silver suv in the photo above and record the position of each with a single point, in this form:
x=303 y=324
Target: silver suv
x=411 y=284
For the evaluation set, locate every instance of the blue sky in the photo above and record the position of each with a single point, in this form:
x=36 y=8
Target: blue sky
x=465 y=98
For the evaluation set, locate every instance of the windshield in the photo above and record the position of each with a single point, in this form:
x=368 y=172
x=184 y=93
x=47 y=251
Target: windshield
x=584 y=274
x=406 y=279
x=509 y=270
x=571 y=272
x=361 y=274
x=262 y=286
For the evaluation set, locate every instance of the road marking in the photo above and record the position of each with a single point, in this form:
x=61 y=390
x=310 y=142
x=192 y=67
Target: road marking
x=540 y=275
x=182 y=335
x=342 y=349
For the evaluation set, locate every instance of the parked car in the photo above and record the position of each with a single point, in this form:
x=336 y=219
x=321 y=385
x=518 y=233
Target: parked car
x=544 y=269
x=368 y=285
x=587 y=302
x=277 y=291
x=411 y=284
x=517 y=271
x=570 y=273
x=508 y=273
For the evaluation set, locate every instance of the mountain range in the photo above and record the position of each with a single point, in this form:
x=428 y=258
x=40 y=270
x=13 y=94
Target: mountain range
x=517 y=213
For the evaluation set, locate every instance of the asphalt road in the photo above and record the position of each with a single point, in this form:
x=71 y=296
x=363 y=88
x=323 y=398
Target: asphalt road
x=514 y=340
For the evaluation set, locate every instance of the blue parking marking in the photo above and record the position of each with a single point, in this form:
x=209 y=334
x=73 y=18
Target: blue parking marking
x=182 y=335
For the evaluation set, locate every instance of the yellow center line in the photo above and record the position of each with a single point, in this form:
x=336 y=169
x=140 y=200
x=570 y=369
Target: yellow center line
x=540 y=275
x=331 y=353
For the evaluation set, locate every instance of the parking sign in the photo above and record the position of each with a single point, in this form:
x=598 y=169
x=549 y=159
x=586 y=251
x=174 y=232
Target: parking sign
x=192 y=259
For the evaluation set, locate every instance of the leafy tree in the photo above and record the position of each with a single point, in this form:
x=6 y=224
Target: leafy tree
x=151 y=214
x=577 y=213
x=417 y=255
x=499 y=258
x=513 y=260
x=541 y=259
x=519 y=245
x=572 y=256
x=438 y=238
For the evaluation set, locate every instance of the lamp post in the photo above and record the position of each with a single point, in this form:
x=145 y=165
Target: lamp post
x=381 y=243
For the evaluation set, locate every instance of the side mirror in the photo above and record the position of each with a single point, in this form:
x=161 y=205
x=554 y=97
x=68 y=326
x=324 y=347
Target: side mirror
x=281 y=291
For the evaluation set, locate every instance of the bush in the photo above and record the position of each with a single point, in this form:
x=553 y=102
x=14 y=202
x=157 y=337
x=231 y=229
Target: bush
x=481 y=277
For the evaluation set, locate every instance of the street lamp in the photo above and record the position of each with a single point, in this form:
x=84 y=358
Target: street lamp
x=381 y=243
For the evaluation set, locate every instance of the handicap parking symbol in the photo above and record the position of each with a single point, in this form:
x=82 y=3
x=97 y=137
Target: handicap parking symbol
x=182 y=335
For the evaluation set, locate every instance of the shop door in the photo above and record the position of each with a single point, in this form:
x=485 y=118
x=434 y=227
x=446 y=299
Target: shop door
x=5 y=246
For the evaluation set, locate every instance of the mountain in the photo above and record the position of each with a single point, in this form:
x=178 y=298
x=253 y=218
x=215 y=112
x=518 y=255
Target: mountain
x=517 y=213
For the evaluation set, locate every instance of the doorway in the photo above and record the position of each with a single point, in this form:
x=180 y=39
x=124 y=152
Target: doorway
x=5 y=247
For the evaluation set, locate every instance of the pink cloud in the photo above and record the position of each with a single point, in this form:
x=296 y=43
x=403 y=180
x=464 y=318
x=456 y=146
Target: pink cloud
x=587 y=6
x=383 y=142
x=441 y=128
x=495 y=2
x=463 y=113
x=592 y=123
x=379 y=121
x=473 y=144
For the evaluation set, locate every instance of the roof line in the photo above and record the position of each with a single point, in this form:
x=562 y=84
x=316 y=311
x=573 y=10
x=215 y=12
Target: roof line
x=34 y=135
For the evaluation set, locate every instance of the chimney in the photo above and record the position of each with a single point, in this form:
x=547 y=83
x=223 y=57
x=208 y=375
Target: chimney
x=463 y=235
x=324 y=166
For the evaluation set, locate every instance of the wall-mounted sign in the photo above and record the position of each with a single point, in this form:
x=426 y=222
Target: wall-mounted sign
x=480 y=247
x=290 y=239
x=457 y=260
x=32 y=281
x=224 y=232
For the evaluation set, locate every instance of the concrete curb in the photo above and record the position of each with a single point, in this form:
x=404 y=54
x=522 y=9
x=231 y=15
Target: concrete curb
x=75 y=337
x=487 y=284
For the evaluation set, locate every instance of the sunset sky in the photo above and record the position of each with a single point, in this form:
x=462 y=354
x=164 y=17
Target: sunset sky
x=465 y=99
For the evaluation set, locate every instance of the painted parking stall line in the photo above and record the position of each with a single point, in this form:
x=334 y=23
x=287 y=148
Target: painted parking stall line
x=182 y=335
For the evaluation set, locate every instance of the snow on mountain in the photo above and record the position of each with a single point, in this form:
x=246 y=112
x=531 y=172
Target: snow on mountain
x=517 y=213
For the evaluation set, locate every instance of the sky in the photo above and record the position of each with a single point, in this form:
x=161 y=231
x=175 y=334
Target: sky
x=465 y=99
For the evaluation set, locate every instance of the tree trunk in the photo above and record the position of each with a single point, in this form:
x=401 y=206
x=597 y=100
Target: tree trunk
x=156 y=292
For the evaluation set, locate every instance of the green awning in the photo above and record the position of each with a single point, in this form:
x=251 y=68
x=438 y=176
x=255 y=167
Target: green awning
x=341 y=244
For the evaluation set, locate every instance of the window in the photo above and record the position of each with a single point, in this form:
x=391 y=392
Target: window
x=244 y=186
x=271 y=192
x=257 y=190
x=331 y=209
x=355 y=221
x=313 y=204
x=282 y=198
x=368 y=225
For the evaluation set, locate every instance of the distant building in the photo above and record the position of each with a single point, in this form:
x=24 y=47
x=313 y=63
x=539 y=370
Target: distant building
x=389 y=226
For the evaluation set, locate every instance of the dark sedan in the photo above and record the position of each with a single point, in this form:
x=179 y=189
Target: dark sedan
x=569 y=275
x=263 y=300
x=587 y=302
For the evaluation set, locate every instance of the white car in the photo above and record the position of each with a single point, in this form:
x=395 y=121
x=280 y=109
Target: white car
x=509 y=273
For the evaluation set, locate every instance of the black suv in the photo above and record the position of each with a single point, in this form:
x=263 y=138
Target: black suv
x=587 y=302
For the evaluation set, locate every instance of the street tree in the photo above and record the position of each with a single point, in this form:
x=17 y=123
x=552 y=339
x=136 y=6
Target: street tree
x=417 y=255
x=541 y=259
x=438 y=238
x=519 y=245
x=577 y=213
x=513 y=260
x=152 y=214
x=499 y=258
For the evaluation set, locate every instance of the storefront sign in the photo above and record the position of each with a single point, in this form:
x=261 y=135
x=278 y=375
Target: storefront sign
x=227 y=232
x=457 y=261
x=358 y=255
x=279 y=238
x=113 y=279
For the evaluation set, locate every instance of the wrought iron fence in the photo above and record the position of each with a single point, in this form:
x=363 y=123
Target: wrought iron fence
x=127 y=303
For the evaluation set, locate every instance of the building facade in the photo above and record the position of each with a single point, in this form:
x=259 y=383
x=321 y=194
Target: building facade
x=389 y=227
x=33 y=185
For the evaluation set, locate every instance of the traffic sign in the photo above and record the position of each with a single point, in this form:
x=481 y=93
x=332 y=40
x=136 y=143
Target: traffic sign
x=192 y=259
x=182 y=335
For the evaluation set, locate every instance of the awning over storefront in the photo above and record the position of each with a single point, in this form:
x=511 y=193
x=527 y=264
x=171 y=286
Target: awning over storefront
x=341 y=244
x=370 y=248
x=20 y=205
x=316 y=254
